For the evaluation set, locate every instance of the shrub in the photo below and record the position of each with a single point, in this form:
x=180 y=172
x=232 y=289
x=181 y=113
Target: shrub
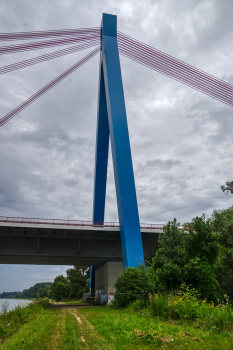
x=188 y=256
x=159 y=305
x=44 y=302
x=5 y=307
x=186 y=305
x=134 y=284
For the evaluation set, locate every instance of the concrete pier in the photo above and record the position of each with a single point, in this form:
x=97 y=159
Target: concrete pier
x=106 y=275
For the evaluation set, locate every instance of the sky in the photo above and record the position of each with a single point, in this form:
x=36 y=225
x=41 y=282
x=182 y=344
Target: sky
x=181 y=139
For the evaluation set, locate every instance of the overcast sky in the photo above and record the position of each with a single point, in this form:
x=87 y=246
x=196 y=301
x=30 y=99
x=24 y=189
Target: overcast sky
x=181 y=140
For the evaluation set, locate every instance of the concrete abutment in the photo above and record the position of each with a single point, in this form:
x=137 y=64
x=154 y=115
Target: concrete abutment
x=105 y=277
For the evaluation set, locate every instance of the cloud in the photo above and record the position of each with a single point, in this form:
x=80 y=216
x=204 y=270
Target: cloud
x=180 y=139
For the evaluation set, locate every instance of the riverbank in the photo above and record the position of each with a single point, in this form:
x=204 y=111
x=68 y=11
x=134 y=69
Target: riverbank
x=11 y=304
x=11 y=321
x=32 y=299
x=40 y=327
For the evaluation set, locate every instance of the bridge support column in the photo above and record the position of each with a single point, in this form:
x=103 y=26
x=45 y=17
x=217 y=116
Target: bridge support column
x=106 y=275
x=112 y=119
x=92 y=279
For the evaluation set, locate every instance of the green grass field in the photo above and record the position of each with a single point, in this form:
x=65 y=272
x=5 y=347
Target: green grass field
x=107 y=328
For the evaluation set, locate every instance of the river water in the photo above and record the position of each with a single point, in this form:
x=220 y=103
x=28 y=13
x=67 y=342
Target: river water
x=13 y=303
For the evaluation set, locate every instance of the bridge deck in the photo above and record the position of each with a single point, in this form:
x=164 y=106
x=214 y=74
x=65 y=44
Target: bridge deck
x=51 y=243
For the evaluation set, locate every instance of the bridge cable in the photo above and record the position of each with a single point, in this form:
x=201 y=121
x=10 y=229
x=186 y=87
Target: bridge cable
x=172 y=60
x=48 y=43
x=46 y=57
x=47 y=34
x=55 y=81
x=176 y=69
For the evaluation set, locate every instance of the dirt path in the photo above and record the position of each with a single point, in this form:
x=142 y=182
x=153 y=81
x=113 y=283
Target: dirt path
x=89 y=336
x=71 y=306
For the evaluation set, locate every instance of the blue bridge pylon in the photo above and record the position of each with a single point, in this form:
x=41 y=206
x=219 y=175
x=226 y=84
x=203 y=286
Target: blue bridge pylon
x=112 y=123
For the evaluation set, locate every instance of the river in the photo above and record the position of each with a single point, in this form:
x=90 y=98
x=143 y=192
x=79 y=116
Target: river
x=13 y=303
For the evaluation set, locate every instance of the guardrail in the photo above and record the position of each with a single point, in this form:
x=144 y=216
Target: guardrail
x=40 y=221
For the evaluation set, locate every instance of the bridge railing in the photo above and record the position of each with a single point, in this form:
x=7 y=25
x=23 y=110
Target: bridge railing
x=55 y=222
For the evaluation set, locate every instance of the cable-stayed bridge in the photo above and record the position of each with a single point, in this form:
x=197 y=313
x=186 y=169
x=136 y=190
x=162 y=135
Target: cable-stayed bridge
x=130 y=238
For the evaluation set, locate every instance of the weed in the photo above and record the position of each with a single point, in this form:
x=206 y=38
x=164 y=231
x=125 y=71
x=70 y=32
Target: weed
x=186 y=305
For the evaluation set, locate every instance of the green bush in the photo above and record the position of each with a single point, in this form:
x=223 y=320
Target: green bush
x=186 y=305
x=134 y=284
x=188 y=256
x=44 y=302
x=3 y=331
x=159 y=306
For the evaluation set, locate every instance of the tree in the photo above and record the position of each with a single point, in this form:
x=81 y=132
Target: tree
x=61 y=290
x=187 y=256
x=223 y=225
x=171 y=257
x=78 y=277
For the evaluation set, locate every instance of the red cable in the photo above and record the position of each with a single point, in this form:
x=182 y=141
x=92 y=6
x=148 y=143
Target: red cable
x=46 y=57
x=166 y=56
x=202 y=87
x=176 y=77
x=43 y=44
x=169 y=59
x=47 y=87
x=179 y=71
x=227 y=95
x=47 y=34
x=180 y=80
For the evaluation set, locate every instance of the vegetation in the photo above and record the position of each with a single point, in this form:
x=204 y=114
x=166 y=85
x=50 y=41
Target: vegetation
x=189 y=285
x=124 y=329
x=62 y=288
x=108 y=328
x=39 y=290
x=11 y=321
x=223 y=225
x=188 y=256
x=182 y=299
x=73 y=286
x=199 y=255
x=37 y=327
x=134 y=284
x=187 y=306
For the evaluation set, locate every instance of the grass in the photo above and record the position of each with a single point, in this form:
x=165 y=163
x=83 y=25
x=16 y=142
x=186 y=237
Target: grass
x=106 y=328
x=49 y=329
x=13 y=320
x=33 y=335
x=187 y=306
x=123 y=329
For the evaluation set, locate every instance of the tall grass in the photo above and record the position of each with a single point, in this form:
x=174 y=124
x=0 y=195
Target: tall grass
x=11 y=321
x=186 y=305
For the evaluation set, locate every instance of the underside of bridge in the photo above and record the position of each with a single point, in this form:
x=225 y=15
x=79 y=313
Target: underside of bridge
x=66 y=245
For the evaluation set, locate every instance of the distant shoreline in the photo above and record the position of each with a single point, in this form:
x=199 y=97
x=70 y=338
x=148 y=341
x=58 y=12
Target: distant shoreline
x=19 y=298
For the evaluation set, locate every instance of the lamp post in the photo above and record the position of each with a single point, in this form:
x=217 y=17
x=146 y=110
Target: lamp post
x=228 y=188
